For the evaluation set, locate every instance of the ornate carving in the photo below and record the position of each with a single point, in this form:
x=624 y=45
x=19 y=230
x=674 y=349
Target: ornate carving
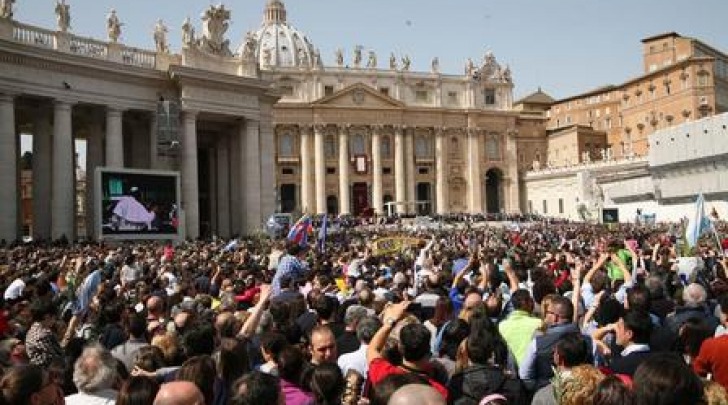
x=6 y=9
x=113 y=26
x=63 y=16
x=160 y=37
x=215 y=23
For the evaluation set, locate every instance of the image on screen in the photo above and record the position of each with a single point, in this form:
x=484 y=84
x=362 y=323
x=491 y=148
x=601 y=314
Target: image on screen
x=136 y=203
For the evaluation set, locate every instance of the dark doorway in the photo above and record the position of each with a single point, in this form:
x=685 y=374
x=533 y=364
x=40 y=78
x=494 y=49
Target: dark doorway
x=424 y=193
x=360 y=198
x=332 y=205
x=288 y=197
x=493 y=190
x=204 y=197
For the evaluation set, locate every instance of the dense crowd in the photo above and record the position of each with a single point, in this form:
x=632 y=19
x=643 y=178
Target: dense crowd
x=534 y=313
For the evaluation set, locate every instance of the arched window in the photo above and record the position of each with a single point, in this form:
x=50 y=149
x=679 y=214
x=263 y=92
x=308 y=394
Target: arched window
x=285 y=144
x=330 y=146
x=386 y=148
x=492 y=147
x=357 y=145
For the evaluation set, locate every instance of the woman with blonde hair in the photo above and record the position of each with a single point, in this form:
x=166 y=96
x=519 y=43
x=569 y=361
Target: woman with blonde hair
x=578 y=386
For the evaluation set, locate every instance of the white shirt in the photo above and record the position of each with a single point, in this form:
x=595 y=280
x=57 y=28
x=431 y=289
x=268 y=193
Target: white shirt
x=103 y=397
x=14 y=290
x=635 y=348
x=355 y=361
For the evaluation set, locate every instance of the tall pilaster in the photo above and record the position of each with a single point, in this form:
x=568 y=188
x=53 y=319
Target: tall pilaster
x=320 y=168
x=190 y=189
x=114 y=138
x=42 y=160
x=236 y=176
x=344 y=165
x=223 y=186
x=250 y=134
x=511 y=186
x=63 y=187
x=409 y=138
x=269 y=189
x=94 y=159
x=475 y=181
x=154 y=161
x=399 y=169
x=8 y=170
x=307 y=192
x=440 y=172
x=377 y=193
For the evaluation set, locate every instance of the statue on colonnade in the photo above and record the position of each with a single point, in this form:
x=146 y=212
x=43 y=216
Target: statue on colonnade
x=249 y=47
x=435 y=65
x=406 y=62
x=357 y=55
x=392 y=61
x=372 y=62
x=215 y=23
x=63 y=15
x=160 y=37
x=339 y=57
x=113 y=26
x=188 y=33
x=6 y=8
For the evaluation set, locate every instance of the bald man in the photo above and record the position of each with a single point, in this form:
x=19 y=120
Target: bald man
x=179 y=393
x=323 y=345
x=416 y=394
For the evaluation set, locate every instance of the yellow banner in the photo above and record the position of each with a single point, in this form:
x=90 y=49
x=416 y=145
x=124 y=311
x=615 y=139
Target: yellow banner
x=394 y=244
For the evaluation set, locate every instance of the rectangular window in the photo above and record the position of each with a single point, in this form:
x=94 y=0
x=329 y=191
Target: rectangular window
x=287 y=170
x=545 y=207
x=423 y=170
x=384 y=90
x=330 y=170
x=561 y=205
x=386 y=170
x=287 y=90
x=328 y=90
x=422 y=96
x=489 y=95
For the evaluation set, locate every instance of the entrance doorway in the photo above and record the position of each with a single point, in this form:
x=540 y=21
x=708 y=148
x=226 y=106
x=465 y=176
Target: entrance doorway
x=288 y=197
x=360 y=198
x=493 y=190
x=424 y=193
x=332 y=205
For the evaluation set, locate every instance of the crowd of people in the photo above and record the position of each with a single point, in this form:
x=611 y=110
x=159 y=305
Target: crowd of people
x=535 y=313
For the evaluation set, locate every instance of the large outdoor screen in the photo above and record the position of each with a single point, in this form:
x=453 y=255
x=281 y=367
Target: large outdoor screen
x=137 y=204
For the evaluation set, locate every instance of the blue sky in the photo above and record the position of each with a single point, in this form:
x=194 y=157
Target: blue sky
x=564 y=46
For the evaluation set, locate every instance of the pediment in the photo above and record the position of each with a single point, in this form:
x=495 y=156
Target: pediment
x=359 y=95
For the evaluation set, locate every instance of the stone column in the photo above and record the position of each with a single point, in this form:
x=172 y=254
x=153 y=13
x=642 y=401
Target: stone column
x=140 y=152
x=399 y=169
x=190 y=190
x=94 y=159
x=511 y=185
x=9 y=219
x=377 y=193
x=441 y=172
x=42 y=159
x=307 y=203
x=320 y=168
x=63 y=187
x=410 y=164
x=154 y=161
x=114 y=138
x=223 y=186
x=251 y=176
x=344 y=166
x=236 y=176
x=269 y=188
x=475 y=181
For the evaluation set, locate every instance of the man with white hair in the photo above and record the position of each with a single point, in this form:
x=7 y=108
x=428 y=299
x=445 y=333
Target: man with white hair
x=695 y=306
x=94 y=374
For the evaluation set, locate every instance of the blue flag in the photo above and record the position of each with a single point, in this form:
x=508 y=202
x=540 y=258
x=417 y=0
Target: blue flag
x=322 y=234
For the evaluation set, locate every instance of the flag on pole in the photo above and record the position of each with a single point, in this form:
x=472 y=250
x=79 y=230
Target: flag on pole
x=698 y=222
x=300 y=230
x=322 y=234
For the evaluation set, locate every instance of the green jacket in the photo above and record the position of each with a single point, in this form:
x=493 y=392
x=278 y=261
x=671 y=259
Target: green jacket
x=518 y=330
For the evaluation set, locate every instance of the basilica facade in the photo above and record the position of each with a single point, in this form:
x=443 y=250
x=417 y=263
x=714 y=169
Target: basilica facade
x=267 y=126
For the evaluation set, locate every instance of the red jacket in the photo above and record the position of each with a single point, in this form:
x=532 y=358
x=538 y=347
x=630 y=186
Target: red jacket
x=712 y=359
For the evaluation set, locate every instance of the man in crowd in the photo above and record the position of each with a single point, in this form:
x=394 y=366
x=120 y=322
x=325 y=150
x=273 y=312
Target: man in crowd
x=713 y=356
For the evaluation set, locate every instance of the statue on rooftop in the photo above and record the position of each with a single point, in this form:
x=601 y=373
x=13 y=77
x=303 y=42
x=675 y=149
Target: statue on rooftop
x=6 y=8
x=249 y=47
x=406 y=62
x=113 y=26
x=357 y=55
x=160 y=37
x=372 y=61
x=339 y=57
x=188 y=33
x=215 y=23
x=392 y=61
x=63 y=15
x=435 y=65
x=469 y=68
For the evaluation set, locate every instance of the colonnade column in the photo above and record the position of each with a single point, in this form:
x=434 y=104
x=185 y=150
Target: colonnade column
x=377 y=194
x=344 y=197
x=153 y=141
x=94 y=159
x=114 y=138
x=306 y=170
x=511 y=186
x=8 y=170
x=475 y=181
x=410 y=167
x=320 y=168
x=223 y=186
x=63 y=188
x=399 y=169
x=440 y=172
x=190 y=189
x=42 y=159
x=251 y=192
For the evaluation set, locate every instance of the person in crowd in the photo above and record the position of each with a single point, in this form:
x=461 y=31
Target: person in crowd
x=569 y=352
x=30 y=385
x=417 y=394
x=520 y=326
x=323 y=345
x=137 y=330
x=179 y=393
x=612 y=391
x=712 y=359
x=366 y=328
x=633 y=335
x=95 y=376
x=257 y=388
x=291 y=368
x=41 y=342
x=137 y=391
x=348 y=341
x=696 y=306
x=665 y=379
x=327 y=384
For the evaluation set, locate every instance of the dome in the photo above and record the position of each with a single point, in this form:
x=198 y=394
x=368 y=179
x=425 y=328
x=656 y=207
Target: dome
x=278 y=44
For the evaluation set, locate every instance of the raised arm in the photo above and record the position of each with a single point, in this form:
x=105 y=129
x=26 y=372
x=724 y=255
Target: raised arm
x=391 y=316
x=248 y=329
x=597 y=265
